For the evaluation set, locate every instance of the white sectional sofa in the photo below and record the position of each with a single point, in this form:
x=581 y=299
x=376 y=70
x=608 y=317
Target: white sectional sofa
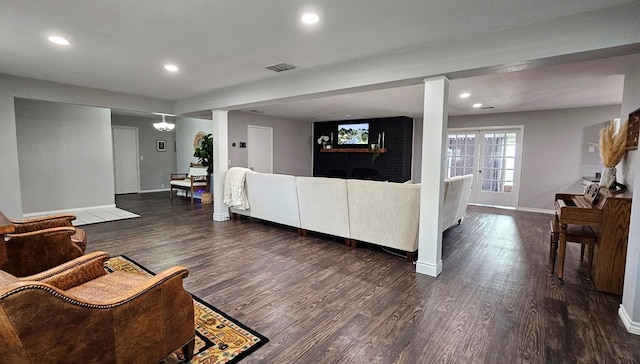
x=382 y=213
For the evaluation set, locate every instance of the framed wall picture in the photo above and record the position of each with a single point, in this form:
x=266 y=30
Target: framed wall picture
x=161 y=145
x=633 y=129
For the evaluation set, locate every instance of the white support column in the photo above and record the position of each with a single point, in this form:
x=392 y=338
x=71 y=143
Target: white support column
x=220 y=162
x=436 y=93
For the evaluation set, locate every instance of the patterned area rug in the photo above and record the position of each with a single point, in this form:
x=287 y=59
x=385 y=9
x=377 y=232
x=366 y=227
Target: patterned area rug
x=219 y=338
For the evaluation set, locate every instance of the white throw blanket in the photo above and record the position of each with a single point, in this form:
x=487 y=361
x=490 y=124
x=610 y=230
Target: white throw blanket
x=235 y=193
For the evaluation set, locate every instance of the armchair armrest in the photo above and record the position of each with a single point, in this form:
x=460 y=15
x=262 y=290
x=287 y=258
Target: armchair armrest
x=44 y=222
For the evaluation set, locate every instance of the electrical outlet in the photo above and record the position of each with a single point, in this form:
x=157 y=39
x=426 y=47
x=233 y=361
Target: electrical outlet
x=162 y=185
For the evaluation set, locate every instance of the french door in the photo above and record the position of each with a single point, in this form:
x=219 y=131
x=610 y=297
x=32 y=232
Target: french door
x=493 y=156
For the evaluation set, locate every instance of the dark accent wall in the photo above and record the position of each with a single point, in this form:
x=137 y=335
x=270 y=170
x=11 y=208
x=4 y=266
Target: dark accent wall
x=393 y=166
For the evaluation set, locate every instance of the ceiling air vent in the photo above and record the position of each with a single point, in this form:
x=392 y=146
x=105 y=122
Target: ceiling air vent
x=281 y=67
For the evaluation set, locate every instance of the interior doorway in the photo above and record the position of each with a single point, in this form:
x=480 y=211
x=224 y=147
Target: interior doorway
x=126 y=168
x=493 y=156
x=260 y=148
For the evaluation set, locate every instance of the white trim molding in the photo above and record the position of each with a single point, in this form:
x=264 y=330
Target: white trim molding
x=78 y=209
x=220 y=216
x=632 y=326
x=429 y=269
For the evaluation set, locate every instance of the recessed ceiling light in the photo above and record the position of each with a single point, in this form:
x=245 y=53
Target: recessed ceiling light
x=58 y=40
x=477 y=105
x=348 y=115
x=171 y=67
x=464 y=95
x=310 y=18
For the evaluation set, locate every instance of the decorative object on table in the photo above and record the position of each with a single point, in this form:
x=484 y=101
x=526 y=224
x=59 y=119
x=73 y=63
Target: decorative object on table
x=376 y=152
x=612 y=147
x=633 y=130
x=219 y=337
x=323 y=140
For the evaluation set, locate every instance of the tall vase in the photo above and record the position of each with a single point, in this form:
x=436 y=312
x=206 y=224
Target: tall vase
x=608 y=178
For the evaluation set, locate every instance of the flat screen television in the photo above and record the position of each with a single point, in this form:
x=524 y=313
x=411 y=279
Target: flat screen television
x=353 y=134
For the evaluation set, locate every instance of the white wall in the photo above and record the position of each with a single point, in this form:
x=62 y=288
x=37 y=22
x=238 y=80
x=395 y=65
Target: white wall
x=553 y=149
x=65 y=155
x=12 y=87
x=10 y=193
x=155 y=167
x=291 y=142
x=630 y=308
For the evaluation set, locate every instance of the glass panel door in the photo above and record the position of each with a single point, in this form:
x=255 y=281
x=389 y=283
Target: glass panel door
x=493 y=156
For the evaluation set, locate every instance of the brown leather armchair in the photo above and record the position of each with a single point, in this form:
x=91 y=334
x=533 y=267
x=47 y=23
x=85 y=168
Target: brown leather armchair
x=38 y=244
x=36 y=251
x=79 y=313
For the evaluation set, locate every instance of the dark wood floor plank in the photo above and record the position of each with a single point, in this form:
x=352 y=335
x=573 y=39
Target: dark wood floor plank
x=320 y=301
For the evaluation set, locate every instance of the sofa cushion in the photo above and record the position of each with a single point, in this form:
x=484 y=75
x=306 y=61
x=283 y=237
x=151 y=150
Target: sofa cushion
x=386 y=214
x=457 y=191
x=323 y=205
x=272 y=197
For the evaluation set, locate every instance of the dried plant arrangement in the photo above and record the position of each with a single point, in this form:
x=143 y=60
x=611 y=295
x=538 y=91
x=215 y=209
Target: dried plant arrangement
x=612 y=148
x=612 y=145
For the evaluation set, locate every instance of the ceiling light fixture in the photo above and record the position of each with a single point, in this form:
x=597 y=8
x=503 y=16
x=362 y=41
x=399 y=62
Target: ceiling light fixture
x=477 y=105
x=171 y=67
x=464 y=95
x=58 y=40
x=310 y=18
x=163 y=125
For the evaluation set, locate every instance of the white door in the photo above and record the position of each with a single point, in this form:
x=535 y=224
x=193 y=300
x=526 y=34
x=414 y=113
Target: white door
x=260 y=148
x=494 y=157
x=125 y=159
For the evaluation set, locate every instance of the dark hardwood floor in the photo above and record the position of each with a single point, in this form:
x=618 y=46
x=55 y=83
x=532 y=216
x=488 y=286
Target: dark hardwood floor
x=319 y=301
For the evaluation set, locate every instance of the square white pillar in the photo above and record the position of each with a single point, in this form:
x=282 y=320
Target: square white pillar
x=220 y=162
x=434 y=133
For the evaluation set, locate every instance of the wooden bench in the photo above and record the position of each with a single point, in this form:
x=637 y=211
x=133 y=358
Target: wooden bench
x=580 y=234
x=196 y=179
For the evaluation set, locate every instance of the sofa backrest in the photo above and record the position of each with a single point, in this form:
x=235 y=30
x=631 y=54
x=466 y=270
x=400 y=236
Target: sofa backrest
x=384 y=213
x=457 y=191
x=272 y=197
x=323 y=204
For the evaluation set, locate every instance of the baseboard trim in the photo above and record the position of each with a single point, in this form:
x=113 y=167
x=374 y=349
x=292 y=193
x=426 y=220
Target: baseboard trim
x=158 y=190
x=220 y=217
x=533 y=209
x=428 y=268
x=632 y=327
x=77 y=209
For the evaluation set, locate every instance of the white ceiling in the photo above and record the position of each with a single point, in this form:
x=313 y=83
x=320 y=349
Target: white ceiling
x=121 y=45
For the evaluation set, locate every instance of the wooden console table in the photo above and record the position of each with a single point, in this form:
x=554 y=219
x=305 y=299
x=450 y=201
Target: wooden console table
x=352 y=150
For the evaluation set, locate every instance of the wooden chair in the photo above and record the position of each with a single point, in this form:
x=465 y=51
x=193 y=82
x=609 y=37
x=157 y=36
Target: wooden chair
x=583 y=235
x=196 y=179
